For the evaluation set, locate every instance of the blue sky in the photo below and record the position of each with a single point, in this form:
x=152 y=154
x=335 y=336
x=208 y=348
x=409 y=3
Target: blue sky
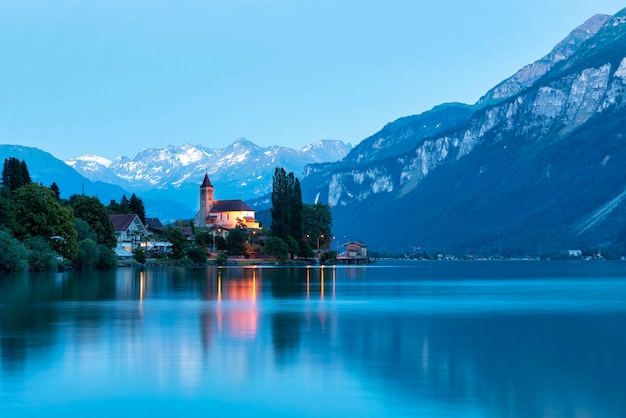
x=116 y=76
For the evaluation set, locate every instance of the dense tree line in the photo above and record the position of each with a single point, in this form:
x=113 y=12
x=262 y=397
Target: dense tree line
x=127 y=206
x=38 y=230
x=296 y=227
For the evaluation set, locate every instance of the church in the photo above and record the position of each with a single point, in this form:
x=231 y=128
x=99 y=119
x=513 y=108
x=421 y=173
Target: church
x=225 y=214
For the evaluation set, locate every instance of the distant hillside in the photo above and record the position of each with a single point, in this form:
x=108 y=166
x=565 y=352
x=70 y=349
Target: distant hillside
x=535 y=167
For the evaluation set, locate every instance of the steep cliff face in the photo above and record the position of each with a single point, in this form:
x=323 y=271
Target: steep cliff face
x=580 y=93
x=527 y=76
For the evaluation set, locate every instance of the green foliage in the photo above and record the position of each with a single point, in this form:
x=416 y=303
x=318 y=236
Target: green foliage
x=287 y=210
x=203 y=238
x=305 y=249
x=236 y=241
x=55 y=189
x=141 y=256
x=221 y=259
x=6 y=214
x=220 y=243
x=83 y=230
x=280 y=204
x=197 y=254
x=294 y=248
x=328 y=256
x=41 y=257
x=318 y=220
x=37 y=213
x=136 y=206
x=15 y=173
x=277 y=248
x=91 y=210
x=178 y=241
x=106 y=258
x=13 y=254
x=88 y=255
x=126 y=206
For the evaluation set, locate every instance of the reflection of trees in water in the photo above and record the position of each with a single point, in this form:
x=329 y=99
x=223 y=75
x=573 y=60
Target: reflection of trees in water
x=286 y=330
x=32 y=307
x=517 y=366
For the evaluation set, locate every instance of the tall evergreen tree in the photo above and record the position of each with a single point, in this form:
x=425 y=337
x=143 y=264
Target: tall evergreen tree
x=15 y=173
x=135 y=205
x=296 y=229
x=287 y=208
x=280 y=210
x=55 y=188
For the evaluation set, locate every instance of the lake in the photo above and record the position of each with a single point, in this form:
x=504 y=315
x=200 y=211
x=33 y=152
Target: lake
x=393 y=339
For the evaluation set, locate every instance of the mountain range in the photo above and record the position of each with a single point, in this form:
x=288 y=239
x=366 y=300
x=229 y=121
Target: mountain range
x=168 y=179
x=536 y=165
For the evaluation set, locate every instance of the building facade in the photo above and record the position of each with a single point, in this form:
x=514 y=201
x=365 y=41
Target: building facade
x=225 y=214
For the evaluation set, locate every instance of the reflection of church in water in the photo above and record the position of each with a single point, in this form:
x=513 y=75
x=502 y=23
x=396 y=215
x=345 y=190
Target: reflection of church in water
x=225 y=214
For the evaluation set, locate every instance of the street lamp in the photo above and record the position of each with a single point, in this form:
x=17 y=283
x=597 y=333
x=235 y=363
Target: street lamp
x=318 y=242
x=218 y=230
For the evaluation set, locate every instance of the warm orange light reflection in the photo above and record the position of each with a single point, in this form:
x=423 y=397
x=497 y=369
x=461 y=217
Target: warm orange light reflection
x=219 y=285
x=322 y=284
x=308 y=281
x=142 y=284
x=242 y=319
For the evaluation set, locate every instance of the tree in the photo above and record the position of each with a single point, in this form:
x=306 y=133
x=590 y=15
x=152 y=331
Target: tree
x=37 y=213
x=88 y=255
x=106 y=258
x=13 y=254
x=236 y=241
x=135 y=206
x=280 y=210
x=83 y=230
x=140 y=256
x=55 y=189
x=277 y=248
x=178 y=241
x=287 y=207
x=15 y=173
x=5 y=207
x=296 y=226
x=92 y=211
x=318 y=220
x=40 y=255
x=197 y=254
x=294 y=248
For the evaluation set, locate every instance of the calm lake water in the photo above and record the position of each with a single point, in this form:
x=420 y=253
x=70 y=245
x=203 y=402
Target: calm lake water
x=419 y=339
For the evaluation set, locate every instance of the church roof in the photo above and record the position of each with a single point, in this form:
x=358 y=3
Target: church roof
x=206 y=182
x=230 y=206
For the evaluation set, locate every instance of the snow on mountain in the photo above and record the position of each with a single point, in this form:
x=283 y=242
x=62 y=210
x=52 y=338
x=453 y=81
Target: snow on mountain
x=89 y=160
x=242 y=169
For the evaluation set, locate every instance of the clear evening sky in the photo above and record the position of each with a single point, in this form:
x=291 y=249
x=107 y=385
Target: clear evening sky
x=110 y=77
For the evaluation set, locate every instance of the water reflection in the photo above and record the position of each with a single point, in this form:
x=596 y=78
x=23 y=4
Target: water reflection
x=378 y=341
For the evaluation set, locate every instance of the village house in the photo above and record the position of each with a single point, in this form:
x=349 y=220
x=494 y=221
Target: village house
x=129 y=231
x=356 y=253
x=222 y=215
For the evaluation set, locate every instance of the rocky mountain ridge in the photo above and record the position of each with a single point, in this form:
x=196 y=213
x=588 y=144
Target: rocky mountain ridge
x=582 y=91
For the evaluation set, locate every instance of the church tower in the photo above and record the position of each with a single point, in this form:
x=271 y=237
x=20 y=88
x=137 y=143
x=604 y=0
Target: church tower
x=206 y=201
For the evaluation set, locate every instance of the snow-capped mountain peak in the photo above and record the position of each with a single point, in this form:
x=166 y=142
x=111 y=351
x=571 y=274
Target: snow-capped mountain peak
x=241 y=169
x=89 y=159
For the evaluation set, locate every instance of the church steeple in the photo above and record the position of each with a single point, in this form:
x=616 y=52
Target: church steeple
x=206 y=201
x=206 y=182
